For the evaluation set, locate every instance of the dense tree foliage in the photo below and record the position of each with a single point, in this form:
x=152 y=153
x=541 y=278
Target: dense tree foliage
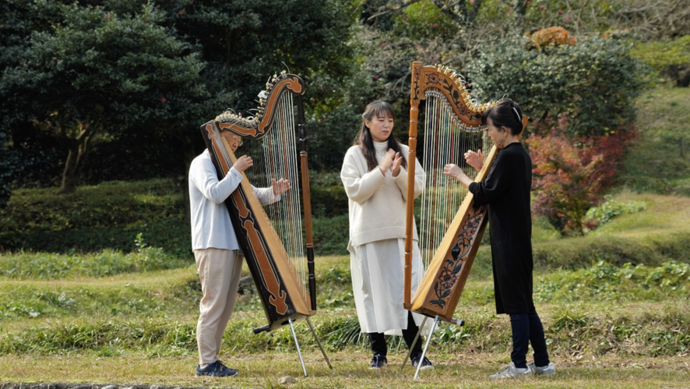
x=593 y=83
x=96 y=72
x=131 y=81
x=136 y=72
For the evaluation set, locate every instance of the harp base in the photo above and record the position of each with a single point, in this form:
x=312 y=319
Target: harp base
x=289 y=322
x=278 y=323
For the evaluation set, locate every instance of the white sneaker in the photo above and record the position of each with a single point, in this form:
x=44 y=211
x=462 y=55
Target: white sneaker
x=511 y=371
x=549 y=369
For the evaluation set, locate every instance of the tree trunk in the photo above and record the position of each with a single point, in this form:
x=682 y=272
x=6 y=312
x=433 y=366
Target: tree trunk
x=77 y=151
x=520 y=10
x=69 y=176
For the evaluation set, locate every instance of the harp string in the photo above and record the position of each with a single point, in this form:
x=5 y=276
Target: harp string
x=445 y=140
x=280 y=160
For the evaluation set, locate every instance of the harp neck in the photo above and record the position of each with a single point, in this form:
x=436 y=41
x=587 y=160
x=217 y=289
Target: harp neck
x=451 y=86
x=257 y=126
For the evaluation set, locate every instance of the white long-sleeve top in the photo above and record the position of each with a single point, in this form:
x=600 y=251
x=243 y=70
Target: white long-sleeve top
x=377 y=201
x=210 y=219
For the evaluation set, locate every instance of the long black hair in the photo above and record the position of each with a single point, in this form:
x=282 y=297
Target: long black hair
x=376 y=109
x=506 y=113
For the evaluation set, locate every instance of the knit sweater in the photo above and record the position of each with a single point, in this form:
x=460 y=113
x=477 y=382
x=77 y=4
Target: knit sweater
x=377 y=202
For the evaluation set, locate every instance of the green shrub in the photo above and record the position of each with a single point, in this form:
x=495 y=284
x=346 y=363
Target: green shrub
x=576 y=253
x=117 y=215
x=331 y=235
x=25 y=265
x=611 y=208
x=328 y=197
x=177 y=296
x=615 y=283
x=65 y=338
x=341 y=332
x=95 y=218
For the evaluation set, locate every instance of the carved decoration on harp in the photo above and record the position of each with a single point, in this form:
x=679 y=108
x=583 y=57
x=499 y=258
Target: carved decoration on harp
x=450 y=110
x=453 y=264
x=258 y=125
x=447 y=82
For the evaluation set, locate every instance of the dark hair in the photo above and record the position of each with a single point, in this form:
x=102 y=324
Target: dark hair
x=379 y=109
x=506 y=113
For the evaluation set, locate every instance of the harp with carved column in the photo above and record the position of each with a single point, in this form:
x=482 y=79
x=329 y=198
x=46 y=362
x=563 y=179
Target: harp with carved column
x=276 y=240
x=450 y=228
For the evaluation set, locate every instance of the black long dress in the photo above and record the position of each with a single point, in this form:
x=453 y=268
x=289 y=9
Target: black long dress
x=507 y=192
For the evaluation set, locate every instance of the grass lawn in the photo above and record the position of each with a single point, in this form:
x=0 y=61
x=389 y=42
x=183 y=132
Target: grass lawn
x=350 y=370
x=603 y=333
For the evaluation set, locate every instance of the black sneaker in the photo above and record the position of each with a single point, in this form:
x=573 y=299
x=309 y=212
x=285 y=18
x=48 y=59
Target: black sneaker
x=378 y=361
x=216 y=369
x=426 y=363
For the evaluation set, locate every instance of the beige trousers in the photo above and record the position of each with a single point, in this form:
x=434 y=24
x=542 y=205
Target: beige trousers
x=219 y=272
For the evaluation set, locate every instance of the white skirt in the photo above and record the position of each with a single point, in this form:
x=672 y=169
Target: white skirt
x=378 y=286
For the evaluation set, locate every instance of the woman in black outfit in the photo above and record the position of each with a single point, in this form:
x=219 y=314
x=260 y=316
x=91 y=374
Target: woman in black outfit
x=506 y=190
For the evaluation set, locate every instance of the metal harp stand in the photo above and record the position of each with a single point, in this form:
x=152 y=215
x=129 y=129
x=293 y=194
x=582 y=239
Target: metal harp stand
x=426 y=346
x=299 y=352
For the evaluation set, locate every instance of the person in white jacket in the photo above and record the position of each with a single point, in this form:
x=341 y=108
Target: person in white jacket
x=374 y=175
x=217 y=252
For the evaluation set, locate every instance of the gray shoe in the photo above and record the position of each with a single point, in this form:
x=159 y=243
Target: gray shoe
x=215 y=369
x=426 y=363
x=549 y=369
x=511 y=371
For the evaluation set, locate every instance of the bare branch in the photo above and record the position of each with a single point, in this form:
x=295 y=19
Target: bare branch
x=475 y=10
x=446 y=10
x=385 y=10
x=638 y=10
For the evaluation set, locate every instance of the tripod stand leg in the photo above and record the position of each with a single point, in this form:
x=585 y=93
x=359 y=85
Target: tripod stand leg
x=428 y=340
x=319 y=343
x=419 y=331
x=292 y=328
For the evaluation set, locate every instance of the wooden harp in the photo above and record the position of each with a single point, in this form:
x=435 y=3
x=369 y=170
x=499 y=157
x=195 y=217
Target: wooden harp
x=450 y=231
x=279 y=249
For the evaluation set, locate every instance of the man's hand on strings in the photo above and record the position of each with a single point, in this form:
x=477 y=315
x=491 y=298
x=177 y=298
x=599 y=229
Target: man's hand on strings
x=454 y=171
x=387 y=161
x=475 y=159
x=397 y=162
x=243 y=163
x=279 y=187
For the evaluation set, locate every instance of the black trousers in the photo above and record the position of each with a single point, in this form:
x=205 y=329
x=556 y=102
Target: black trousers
x=378 y=341
x=527 y=328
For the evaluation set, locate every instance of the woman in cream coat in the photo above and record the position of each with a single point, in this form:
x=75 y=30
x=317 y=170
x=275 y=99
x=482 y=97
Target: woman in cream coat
x=374 y=175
